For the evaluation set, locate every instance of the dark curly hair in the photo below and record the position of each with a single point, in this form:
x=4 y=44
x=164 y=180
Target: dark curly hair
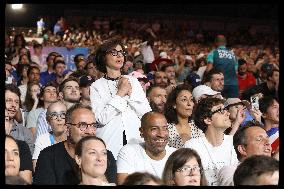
x=100 y=58
x=170 y=112
x=203 y=111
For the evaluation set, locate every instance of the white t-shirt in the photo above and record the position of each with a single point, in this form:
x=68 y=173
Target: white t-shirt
x=133 y=158
x=41 y=143
x=226 y=175
x=213 y=158
x=147 y=52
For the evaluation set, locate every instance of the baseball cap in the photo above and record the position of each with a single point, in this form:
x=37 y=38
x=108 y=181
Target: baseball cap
x=193 y=79
x=235 y=101
x=203 y=90
x=266 y=67
x=86 y=81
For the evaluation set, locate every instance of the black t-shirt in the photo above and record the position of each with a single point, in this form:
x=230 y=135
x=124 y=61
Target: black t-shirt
x=25 y=156
x=56 y=166
x=262 y=88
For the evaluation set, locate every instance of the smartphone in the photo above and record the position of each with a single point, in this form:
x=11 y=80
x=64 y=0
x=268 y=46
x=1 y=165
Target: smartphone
x=254 y=102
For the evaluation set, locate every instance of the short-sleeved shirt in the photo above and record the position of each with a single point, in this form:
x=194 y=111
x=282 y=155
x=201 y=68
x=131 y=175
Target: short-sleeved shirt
x=32 y=117
x=174 y=137
x=225 y=61
x=133 y=158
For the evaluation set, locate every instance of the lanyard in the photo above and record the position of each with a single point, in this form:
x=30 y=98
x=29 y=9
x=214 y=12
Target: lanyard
x=51 y=137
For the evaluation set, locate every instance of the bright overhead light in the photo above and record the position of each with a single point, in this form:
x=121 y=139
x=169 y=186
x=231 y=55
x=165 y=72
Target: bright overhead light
x=17 y=6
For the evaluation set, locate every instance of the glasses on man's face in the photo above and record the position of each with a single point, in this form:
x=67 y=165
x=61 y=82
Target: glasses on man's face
x=187 y=170
x=115 y=52
x=220 y=110
x=83 y=126
x=55 y=115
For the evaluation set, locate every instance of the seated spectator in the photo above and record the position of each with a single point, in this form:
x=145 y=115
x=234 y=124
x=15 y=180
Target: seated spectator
x=178 y=112
x=240 y=112
x=269 y=107
x=215 y=148
x=37 y=118
x=183 y=67
x=55 y=117
x=203 y=91
x=32 y=97
x=184 y=168
x=161 y=79
x=85 y=83
x=14 y=129
x=139 y=178
x=170 y=72
x=91 y=157
x=12 y=157
x=80 y=61
x=80 y=122
x=25 y=156
x=150 y=155
x=257 y=170
x=192 y=79
x=248 y=141
x=157 y=97
x=45 y=75
x=214 y=79
x=245 y=78
x=268 y=88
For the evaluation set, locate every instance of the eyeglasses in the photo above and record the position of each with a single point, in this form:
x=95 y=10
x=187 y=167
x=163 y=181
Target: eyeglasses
x=10 y=101
x=220 y=110
x=55 y=115
x=186 y=170
x=115 y=52
x=83 y=126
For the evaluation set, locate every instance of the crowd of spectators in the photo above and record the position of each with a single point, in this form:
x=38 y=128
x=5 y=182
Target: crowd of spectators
x=152 y=103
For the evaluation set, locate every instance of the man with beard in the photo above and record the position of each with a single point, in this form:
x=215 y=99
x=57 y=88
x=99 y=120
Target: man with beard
x=161 y=79
x=157 y=97
x=245 y=78
x=214 y=79
x=215 y=148
x=69 y=94
x=56 y=164
x=22 y=134
x=151 y=155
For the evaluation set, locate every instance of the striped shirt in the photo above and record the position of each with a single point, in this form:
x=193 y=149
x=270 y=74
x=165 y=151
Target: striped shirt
x=42 y=125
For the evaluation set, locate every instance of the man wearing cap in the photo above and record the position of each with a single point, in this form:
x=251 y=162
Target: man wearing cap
x=225 y=60
x=193 y=80
x=85 y=83
x=240 y=114
x=202 y=91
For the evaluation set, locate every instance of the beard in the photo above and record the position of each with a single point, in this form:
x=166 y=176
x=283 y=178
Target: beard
x=156 y=107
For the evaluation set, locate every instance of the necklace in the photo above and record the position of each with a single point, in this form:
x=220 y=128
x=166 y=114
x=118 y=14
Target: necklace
x=112 y=86
x=110 y=78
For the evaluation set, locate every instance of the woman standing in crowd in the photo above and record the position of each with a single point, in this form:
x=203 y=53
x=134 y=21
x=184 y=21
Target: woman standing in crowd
x=184 y=168
x=117 y=100
x=178 y=111
x=91 y=157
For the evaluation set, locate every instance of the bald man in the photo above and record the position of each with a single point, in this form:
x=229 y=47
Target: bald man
x=149 y=156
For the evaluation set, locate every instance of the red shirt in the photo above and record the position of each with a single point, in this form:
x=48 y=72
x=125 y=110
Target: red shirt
x=247 y=82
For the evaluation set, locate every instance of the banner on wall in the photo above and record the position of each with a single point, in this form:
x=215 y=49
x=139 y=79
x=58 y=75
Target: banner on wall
x=68 y=55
